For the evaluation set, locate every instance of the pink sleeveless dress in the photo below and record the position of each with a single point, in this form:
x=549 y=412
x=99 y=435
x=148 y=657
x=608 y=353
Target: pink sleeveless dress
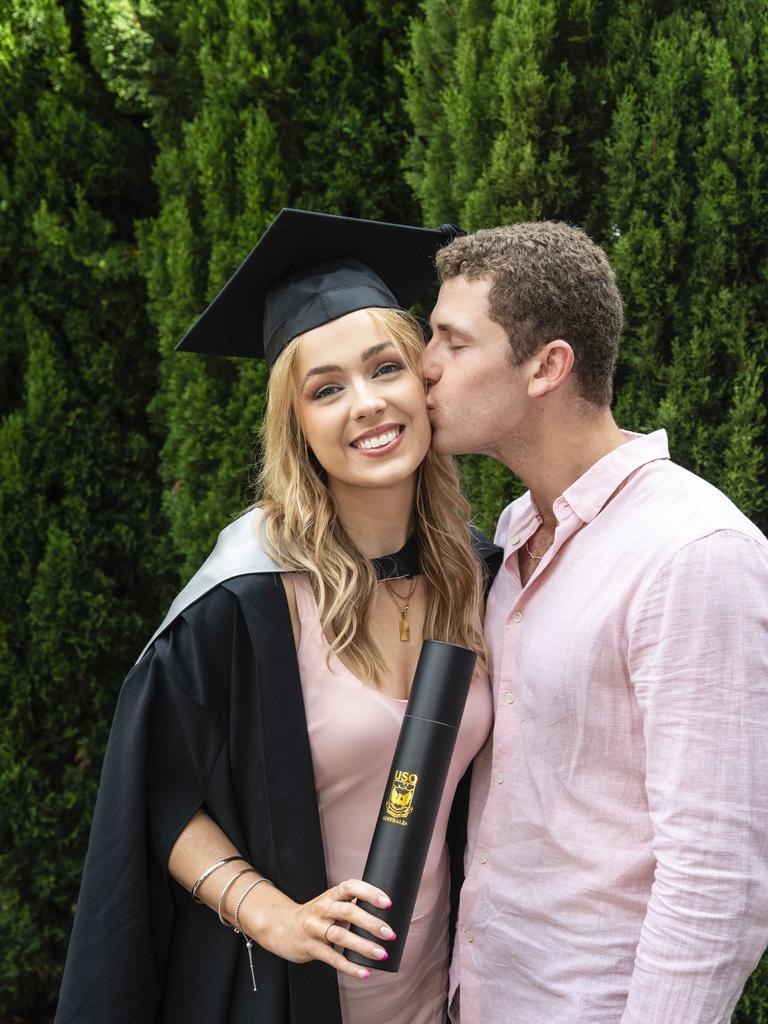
x=353 y=731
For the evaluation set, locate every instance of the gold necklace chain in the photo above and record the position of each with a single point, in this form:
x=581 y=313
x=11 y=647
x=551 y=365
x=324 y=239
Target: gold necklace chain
x=543 y=531
x=405 y=626
x=536 y=558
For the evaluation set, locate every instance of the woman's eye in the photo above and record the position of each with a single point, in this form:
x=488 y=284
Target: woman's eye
x=387 y=368
x=325 y=391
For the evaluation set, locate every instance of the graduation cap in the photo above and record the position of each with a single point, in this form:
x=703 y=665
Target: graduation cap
x=309 y=268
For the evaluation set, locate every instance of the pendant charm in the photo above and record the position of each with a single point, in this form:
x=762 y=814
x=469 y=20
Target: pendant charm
x=249 y=946
x=405 y=627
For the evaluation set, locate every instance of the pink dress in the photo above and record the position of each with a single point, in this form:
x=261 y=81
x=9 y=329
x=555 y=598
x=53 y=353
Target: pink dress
x=353 y=731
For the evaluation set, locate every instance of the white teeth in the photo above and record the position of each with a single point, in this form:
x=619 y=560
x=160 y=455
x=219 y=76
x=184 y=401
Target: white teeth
x=378 y=442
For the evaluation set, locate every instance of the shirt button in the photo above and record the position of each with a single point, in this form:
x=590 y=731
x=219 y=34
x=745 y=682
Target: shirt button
x=499 y=776
x=509 y=697
x=469 y=936
x=517 y=616
x=515 y=541
x=483 y=857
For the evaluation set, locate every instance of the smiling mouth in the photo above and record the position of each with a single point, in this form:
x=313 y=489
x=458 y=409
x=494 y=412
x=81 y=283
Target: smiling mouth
x=377 y=441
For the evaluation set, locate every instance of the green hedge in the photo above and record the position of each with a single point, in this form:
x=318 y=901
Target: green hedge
x=308 y=115
x=146 y=145
x=81 y=559
x=644 y=123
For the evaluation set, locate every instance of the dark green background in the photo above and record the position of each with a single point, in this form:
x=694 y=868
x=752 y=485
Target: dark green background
x=145 y=146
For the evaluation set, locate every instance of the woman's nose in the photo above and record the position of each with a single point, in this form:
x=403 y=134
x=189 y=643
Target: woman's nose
x=366 y=401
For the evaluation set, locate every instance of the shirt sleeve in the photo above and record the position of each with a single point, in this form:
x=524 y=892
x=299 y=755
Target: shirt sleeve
x=698 y=659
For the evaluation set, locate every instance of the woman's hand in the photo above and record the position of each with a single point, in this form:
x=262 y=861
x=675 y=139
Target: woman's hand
x=309 y=931
x=294 y=931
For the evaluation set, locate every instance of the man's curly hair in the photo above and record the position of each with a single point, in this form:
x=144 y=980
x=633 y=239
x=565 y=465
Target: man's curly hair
x=548 y=280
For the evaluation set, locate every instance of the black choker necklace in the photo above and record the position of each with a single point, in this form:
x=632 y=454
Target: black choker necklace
x=405 y=562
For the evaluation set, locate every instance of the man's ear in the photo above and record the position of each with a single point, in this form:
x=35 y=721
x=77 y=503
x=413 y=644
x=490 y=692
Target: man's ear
x=550 y=368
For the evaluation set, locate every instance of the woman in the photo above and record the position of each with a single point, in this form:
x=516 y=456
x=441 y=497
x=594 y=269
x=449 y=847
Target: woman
x=253 y=738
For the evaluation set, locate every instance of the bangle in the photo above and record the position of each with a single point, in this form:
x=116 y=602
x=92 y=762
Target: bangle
x=238 y=926
x=209 y=871
x=228 y=886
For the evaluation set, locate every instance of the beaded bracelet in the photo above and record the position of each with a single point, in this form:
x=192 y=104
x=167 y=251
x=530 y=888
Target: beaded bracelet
x=228 y=886
x=239 y=927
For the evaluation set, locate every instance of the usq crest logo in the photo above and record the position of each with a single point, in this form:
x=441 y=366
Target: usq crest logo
x=400 y=802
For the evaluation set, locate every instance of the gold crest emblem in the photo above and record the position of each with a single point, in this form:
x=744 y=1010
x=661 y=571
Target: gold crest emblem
x=400 y=802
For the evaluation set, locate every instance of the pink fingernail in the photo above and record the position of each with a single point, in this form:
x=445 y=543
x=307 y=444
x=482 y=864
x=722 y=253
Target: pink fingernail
x=379 y=953
x=383 y=901
x=362 y=973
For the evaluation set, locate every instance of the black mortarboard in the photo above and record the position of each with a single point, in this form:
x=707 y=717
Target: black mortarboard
x=309 y=268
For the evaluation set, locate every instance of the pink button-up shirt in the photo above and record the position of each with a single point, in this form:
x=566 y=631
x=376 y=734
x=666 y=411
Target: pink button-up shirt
x=617 y=861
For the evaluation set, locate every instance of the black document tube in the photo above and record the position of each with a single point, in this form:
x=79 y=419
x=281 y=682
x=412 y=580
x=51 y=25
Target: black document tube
x=415 y=788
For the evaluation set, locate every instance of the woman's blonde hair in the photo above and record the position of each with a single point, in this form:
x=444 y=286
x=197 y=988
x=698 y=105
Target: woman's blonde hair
x=305 y=534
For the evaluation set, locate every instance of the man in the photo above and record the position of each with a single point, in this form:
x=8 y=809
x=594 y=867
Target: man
x=617 y=861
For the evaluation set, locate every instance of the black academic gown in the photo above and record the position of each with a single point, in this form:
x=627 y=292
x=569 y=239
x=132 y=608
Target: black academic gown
x=212 y=715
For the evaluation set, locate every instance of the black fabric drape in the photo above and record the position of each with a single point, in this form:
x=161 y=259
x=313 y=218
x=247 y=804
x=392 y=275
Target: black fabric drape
x=212 y=715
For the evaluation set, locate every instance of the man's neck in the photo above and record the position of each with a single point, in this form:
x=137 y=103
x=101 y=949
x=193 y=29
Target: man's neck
x=561 y=453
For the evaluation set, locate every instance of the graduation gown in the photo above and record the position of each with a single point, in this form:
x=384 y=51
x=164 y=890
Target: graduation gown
x=211 y=715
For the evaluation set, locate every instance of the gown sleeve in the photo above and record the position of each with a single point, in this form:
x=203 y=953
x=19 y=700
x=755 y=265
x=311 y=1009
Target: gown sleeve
x=160 y=760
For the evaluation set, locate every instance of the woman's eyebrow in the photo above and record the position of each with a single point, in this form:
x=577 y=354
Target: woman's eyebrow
x=317 y=371
x=374 y=350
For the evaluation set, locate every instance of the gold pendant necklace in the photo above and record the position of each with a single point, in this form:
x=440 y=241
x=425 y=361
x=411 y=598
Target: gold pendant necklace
x=405 y=626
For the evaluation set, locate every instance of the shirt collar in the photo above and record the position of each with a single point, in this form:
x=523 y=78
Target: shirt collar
x=593 y=489
x=587 y=495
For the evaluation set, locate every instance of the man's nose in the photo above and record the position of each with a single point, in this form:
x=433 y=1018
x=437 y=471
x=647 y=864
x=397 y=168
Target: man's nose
x=430 y=364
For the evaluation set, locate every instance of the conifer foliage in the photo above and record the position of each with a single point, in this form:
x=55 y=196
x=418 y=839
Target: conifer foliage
x=307 y=115
x=146 y=144
x=643 y=123
x=506 y=100
x=78 y=504
x=685 y=201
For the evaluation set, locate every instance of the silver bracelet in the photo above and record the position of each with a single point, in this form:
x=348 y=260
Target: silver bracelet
x=209 y=871
x=238 y=926
x=228 y=886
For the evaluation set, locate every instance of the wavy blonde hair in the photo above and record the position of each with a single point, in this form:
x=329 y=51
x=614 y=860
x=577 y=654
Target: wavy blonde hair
x=304 y=532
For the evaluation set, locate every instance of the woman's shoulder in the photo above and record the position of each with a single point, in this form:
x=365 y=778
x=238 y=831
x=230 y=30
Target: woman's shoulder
x=239 y=551
x=230 y=629
x=216 y=612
